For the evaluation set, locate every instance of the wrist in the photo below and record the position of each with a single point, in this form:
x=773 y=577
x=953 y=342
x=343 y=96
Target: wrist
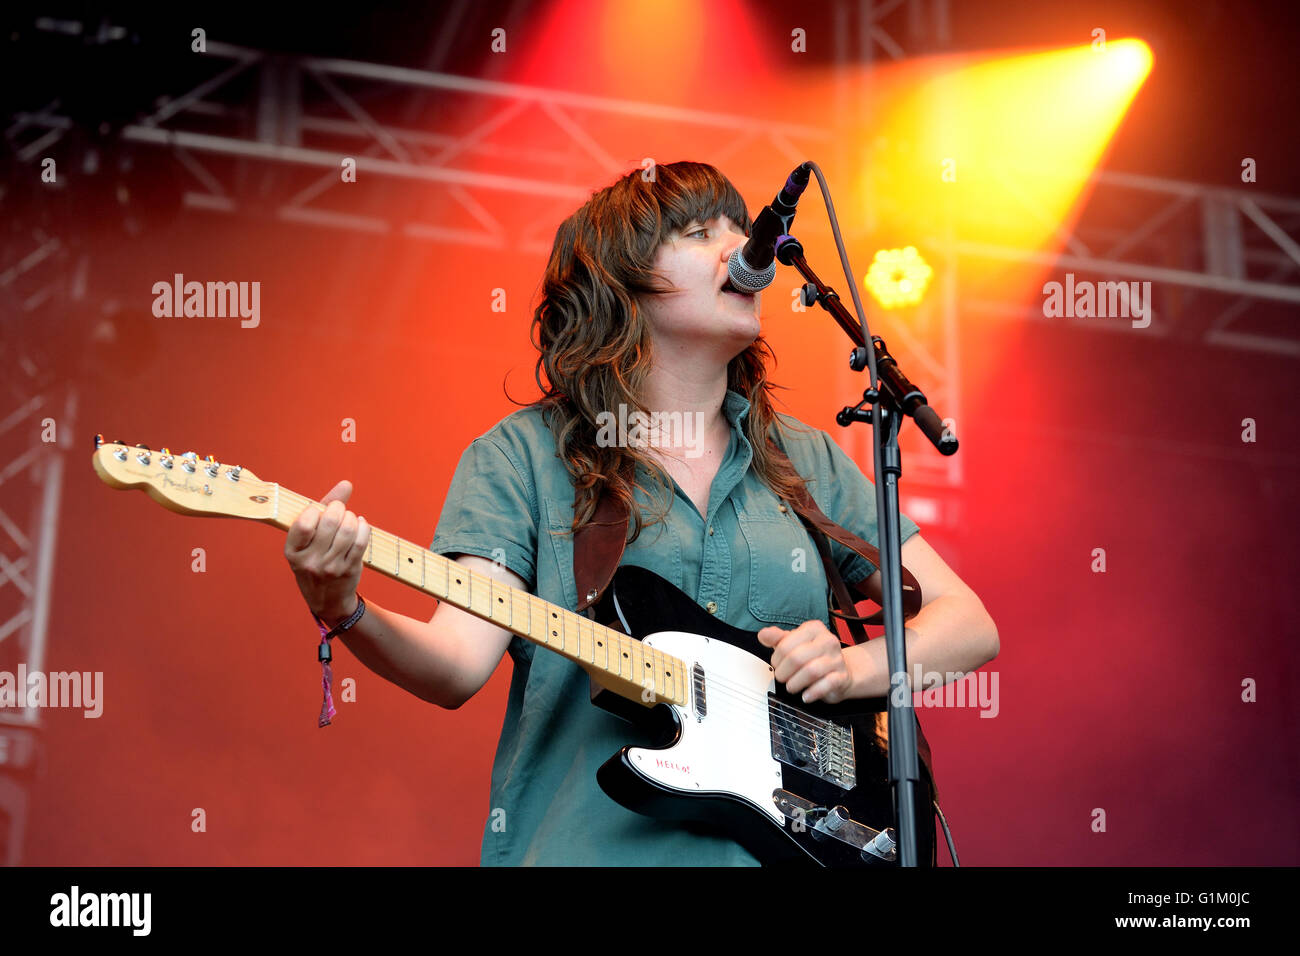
x=337 y=615
x=855 y=665
x=867 y=679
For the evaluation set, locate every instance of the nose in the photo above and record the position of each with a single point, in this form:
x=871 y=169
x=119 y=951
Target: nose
x=735 y=240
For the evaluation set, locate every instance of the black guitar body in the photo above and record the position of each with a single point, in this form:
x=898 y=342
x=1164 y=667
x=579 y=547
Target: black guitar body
x=746 y=758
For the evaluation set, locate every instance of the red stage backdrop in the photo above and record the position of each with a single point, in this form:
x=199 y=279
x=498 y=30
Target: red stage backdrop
x=1119 y=690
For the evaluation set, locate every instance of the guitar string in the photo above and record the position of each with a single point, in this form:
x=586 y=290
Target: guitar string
x=778 y=715
x=792 y=716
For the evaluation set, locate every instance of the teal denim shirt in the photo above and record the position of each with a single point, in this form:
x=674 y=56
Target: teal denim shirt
x=755 y=562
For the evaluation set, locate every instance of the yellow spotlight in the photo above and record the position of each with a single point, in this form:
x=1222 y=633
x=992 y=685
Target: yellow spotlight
x=997 y=150
x=898 y=277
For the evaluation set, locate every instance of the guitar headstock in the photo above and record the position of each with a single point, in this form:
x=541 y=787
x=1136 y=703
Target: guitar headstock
x=185 y=483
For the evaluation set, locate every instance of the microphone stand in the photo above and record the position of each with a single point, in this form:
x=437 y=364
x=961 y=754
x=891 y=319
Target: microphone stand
x=895 y=398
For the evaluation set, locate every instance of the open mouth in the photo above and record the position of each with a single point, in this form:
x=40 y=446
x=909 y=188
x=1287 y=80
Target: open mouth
x=730 y=289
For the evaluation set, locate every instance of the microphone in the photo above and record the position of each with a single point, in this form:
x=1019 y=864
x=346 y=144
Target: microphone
x=752 y=267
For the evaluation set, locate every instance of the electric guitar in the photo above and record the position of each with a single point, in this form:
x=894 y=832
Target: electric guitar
x=789 y=781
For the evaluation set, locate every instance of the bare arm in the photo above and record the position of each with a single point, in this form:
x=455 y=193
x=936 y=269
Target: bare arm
x=444 y=660
x=950 y=636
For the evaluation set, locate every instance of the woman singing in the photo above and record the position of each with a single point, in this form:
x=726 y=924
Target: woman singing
x=634 y=317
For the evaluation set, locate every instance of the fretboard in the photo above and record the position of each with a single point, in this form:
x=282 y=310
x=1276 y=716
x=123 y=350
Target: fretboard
x=619 y=662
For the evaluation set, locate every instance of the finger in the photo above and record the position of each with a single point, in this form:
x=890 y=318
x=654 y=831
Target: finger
x=818 y=645
x=303 y=530
x=359 y=545
x=771 y=636
x=330 y=520
x=809 y=673
x=804 y=632
x=340 y=492
x=343 y=539
x=830 y=688
x=798 y=647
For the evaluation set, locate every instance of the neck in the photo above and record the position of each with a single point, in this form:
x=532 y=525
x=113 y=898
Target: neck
x=695 y=393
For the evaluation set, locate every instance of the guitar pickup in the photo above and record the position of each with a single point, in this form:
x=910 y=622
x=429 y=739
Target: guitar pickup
x=701 y=700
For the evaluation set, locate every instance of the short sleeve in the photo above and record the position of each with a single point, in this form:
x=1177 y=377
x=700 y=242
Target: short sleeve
x=490 y=510
x=852 y=500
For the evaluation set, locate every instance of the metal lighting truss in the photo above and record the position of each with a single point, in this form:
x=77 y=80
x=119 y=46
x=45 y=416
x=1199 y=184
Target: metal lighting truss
x=1210 y=253
x=271 y=123
x=285 y=130
x=31 y=479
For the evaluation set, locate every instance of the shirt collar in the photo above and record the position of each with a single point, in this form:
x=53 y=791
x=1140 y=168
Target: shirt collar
x=735 y=407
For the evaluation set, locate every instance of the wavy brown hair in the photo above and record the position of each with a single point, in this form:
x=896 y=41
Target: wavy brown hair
x=594 y=341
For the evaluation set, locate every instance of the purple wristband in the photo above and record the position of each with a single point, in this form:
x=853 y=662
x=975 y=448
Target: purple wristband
x=323 y=654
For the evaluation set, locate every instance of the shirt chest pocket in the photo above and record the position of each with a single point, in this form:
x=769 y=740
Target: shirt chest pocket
x=559 y=517
x=787 y=583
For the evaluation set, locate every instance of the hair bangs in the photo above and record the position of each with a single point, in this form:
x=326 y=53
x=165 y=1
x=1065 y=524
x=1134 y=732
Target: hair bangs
x=695 y=192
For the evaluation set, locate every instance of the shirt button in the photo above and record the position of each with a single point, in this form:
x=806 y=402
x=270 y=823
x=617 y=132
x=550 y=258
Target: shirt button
x=710 y=529
x=783 y=509
x=711 y=607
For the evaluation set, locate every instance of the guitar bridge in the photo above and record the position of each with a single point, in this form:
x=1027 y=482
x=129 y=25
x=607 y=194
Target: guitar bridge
x=811 y=744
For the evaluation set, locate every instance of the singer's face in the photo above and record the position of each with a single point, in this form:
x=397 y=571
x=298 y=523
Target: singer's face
x=698 y=313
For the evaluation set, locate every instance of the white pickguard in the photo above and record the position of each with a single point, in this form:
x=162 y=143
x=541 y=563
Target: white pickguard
x=729 y=751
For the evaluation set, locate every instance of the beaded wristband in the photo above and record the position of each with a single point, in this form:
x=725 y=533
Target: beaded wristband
x=323 y=655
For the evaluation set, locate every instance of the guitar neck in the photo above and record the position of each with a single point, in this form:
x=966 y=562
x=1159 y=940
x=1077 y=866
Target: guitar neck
x=616 y=661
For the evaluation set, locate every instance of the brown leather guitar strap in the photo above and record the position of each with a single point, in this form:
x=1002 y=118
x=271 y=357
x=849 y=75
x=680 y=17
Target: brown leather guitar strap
x=813 y=518
x=598 y=547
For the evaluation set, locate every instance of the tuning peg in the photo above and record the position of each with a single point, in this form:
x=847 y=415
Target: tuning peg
x=213 y=465
x=165 y=457
x=99 y=440
x=234 y=473
x=188 y=461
